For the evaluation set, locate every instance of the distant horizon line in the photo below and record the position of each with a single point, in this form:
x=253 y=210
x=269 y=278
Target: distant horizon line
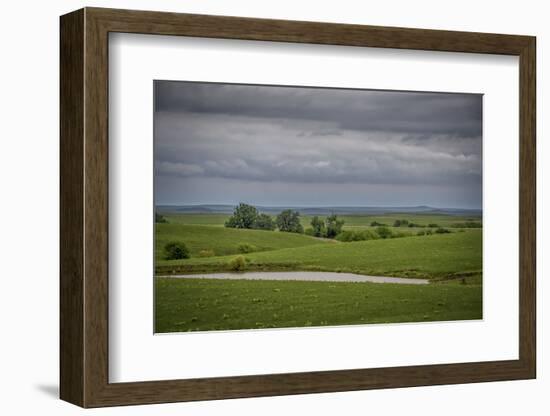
x=317 y=206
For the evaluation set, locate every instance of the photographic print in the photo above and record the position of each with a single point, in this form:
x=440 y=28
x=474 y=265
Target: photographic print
x=291 y=206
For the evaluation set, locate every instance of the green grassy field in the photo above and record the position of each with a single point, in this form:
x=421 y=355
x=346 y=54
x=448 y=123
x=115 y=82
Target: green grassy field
x=210 y=304
x=433 y=256
x=223 y=241
x=452 y=261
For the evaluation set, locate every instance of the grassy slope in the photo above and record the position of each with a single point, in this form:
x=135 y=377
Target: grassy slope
x=225 y=241
x=425 y=256
x=209 y=304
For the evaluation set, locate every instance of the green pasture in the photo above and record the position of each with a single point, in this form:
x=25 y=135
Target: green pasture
x=224 y=241
x=433 y=256
x=452 y=262
x=211 y=304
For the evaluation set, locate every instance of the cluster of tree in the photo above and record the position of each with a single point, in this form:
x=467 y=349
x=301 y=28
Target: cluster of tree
x=289 y=221
x=247 y=216
x=406 y=223
x=333 y=226
x=329 y=228
x=400 y=223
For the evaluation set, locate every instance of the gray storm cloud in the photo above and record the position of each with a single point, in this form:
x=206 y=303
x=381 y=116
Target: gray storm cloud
x=333 y=138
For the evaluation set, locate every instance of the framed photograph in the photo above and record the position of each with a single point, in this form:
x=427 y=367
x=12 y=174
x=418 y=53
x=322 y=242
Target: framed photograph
x=255 y=207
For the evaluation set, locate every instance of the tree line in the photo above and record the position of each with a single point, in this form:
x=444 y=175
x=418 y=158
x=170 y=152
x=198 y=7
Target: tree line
x=248 y=216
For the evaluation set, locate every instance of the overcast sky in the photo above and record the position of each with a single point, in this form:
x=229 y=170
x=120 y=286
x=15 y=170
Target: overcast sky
x=271 y=145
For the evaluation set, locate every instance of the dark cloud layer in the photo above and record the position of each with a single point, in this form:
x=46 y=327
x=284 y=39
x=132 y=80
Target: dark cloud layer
x=333 y=138
x=422 y=114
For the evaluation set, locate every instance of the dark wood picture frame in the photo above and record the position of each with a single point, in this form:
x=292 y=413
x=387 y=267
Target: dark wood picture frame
x=84 y=207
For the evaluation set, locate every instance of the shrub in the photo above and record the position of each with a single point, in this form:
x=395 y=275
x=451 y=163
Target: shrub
x=246 y=248
x=309 y=231
x=371 y=235
x=377 y=224
x=206 y=253
x=383 y=232
x=347 y=235
x=429 y=232
x=433 y=225
x=237 y=264
x=421 y=232
x=442 y=231
x=175 y=250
